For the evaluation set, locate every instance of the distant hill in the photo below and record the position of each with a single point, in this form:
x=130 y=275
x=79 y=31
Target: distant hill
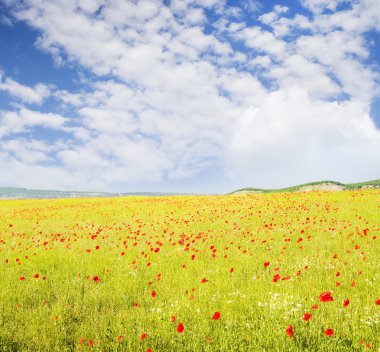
x=311 y=186
x=24 y=193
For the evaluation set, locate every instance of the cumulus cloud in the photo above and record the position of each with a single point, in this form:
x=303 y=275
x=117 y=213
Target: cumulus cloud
x=13 y=122
x=313 y=140
x=31 y=95
x=182 y=88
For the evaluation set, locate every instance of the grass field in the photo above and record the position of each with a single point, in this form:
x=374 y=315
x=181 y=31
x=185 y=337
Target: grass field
x=260 y=272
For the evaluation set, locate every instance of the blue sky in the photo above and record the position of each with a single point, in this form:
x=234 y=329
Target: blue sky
x=188 y=96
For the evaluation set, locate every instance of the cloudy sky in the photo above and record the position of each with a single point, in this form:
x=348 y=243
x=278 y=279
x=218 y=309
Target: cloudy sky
x=188 y=96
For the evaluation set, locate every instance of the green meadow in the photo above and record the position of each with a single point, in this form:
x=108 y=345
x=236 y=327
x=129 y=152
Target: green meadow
x=254 y=272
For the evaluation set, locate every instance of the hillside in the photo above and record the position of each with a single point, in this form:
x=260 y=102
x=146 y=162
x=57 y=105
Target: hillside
x=24 y=193
x=311 y=186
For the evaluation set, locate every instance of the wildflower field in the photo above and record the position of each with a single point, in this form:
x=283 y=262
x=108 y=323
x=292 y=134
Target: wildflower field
x=259 y=272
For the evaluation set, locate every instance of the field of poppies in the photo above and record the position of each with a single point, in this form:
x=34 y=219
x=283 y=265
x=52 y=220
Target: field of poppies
x=259 y=272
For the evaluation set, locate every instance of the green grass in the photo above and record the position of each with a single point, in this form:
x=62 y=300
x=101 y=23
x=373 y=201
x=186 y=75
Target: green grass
x=168 y=245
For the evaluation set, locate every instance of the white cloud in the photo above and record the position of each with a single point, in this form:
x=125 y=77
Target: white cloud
x=252 y=6
x=264 y=104
x=31 y=95
x=24 y=120
x=319 y=6
x=270 y=17
x=5 y=20
x=292 y=138
x=27 y=151
x=195 y=16
x=262 y=41
x=314 y=77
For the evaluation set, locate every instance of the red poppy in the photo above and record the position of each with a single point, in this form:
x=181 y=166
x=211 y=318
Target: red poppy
x=289 y=330
x=96 y=278
x=216 y=316
x=82 y=341
x=149 y=350
x=325 y=297
x=36 y=276
x=119 y=338
x=143 y=336
x=90 y=343
x=204 y=280
x=314 y=306
x=180 y=328
x=377 y=302
x=153 y=294
x=306 y=316
x=329 y=332
x=266 y=264
x=231 y=270
x=346 y=302
x=173 y=318
x=22 y=278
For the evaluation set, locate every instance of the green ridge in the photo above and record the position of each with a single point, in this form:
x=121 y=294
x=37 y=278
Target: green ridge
x=348 y=186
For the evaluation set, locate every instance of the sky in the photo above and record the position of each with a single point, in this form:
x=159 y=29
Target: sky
x=201 y=96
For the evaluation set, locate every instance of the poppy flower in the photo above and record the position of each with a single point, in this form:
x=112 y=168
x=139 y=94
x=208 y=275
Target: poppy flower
x=82 y=341
x=153 y=294
x=204 y=280
x=289 y=330
x=180 y=328
x=143 y=336
x=36 y=276
x=22 y=278
x=231 y=270
x=329 y=332
x=266 y=264
x=314 y=306
x=306 y=316
x=119 y=338
x=96 y=278
x=325 y=297
x=172 y=318
x=377 y=302
x=90 y=343
x=346 y=302
x=216 y=316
